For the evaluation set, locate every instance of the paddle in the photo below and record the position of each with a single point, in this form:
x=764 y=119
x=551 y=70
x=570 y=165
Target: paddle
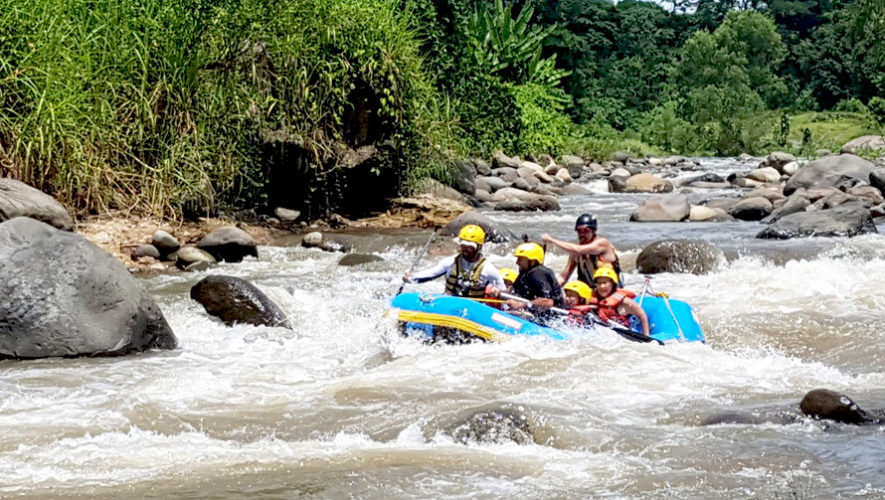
x=420 y=254
x=624 y=332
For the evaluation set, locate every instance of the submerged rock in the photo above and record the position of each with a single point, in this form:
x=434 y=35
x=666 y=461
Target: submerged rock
x=358 y=259
x=495 y=426
x=64 y=296
x=235 y=300
x=831 y=405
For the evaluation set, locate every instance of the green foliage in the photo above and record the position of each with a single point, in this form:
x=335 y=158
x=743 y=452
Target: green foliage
x=852 y=105
x=664 y=127
x=164 y=106
x=545 y=128
x=877 y=113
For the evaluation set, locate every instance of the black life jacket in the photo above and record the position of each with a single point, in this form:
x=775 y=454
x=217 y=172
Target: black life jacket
x=587 y=265
x=465 y=283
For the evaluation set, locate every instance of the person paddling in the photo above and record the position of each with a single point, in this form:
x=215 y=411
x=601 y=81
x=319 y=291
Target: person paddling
x=588 y=253
x=468 y=273
x=615 y=305
x=509 y=276
x=535 y=282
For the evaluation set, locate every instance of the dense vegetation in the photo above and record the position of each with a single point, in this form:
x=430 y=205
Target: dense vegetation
x=194 y=106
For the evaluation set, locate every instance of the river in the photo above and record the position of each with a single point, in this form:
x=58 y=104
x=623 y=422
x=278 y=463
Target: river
x=341 y=406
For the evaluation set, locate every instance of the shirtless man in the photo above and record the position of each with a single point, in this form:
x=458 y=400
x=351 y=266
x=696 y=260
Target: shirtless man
x=588 y=253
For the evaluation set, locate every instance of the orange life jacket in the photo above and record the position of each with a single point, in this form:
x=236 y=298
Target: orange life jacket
x=607 y=308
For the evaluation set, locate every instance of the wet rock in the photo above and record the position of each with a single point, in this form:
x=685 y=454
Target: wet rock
x=500 y=160
x=229 y=244
x=165 y=243
x=873 y=142
x=286 y=214
x=662 y=208
x=188 y=255
x=494 y=426
x=777 y=160
x=539 y=202
x=145 y=251
x=64 y=296
x=705 y=178
x=617 y=183
x=771 y=195
x=312 y=239
x=850 y=219
x=17 y=199
x=764 y=174
x=877 y=179
x=574 y=189
x=494 y=231
x=482 y=168
x=794 y=204
x=235 y=300
x=647 y=183
x=751 y=209
x=508 y=174
x=491 y=184
x=465 y=177
x=723 y=203
x=706 y=214
x=358 y=259
x=574 y=165
x=511 y=193
x=841 y=172
x=679 y=256
x=831 y=405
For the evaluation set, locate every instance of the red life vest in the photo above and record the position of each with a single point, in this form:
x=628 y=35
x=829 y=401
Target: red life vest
x=607 y=308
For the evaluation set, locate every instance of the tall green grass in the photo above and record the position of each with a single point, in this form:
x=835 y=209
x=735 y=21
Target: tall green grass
x=163 y=106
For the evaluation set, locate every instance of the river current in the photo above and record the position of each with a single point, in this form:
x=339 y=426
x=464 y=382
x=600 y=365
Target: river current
x=341 y=406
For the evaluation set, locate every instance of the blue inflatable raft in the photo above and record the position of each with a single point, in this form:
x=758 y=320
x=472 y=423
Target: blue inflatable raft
x=669 y=319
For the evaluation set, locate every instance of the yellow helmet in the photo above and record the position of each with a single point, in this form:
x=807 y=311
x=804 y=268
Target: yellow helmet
x=605 y=272
x=473 y=234
x=508 y=274
x=581 y=288
x=531 y=251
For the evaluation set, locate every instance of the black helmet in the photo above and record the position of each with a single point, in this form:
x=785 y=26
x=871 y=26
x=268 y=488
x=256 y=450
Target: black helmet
x=586 y=220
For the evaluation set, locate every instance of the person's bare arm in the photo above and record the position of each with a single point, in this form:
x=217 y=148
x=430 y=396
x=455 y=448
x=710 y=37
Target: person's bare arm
x=631 y=307
x=543 y=302
x=595 y=247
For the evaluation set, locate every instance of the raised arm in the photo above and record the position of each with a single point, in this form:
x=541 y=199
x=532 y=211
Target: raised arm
x=631 y=307
x=595 y=247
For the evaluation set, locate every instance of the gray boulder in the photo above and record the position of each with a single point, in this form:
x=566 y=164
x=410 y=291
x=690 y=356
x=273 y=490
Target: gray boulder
x=662 y=208
x=165 y=243
x=850 y=219
x=500 y=160
x=482 y=168
x=755 y=208
x=874 y=142
x=287 y=214
x=777 y=160
x=620 y=157
x=647 y=183
x=877 y=179
x=490 y=183
x=679 y=256
x=465 y=177
x=494 y=232
x=64 y=296
x=841 y=172
x=229 y=243
x=17 y=199
x=574 y=165
x=235 y=300
x=439 y=190
x=794 y=204
x=508 y=174
x=189 y=255
x=508 y=424
x=539 y=202
x=145 y=251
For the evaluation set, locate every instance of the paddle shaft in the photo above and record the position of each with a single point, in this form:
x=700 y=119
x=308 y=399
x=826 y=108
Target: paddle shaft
x=420 y=254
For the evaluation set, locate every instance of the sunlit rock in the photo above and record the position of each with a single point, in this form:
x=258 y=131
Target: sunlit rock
x=679 y=256
x=235 y=300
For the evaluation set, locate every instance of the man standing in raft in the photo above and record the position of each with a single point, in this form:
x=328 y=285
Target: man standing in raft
x=468 y=273
x=615 y=305
x=588 y=253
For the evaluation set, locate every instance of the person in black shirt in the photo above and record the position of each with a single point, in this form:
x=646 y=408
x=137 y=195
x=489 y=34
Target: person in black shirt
x=535 y=282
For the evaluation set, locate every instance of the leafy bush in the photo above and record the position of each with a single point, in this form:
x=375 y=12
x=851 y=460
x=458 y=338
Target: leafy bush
x=544 y=127
x=877 y=112
x=852 y=105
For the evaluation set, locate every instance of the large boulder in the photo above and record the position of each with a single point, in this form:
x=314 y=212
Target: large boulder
x=235 y=300
x=777 y=160
x=755 y=208
x=662 y=208
x=165 y=243
x=764 y=174
x=229 y=243
x=437 y=189
x=679 y=256
x=574 y=165
x=874 y=142
x=465 y=177
x=539 y=202
x=877 y=179
x=17 y=199
x=64 y=296
x=841 y=172
x=794 y=204
x=850 y=219
x=192 y=258
x=494 y=232
x=490 y=183
x=831 y=405
x=706 y=214
x=647 y=183
x=500 y=160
